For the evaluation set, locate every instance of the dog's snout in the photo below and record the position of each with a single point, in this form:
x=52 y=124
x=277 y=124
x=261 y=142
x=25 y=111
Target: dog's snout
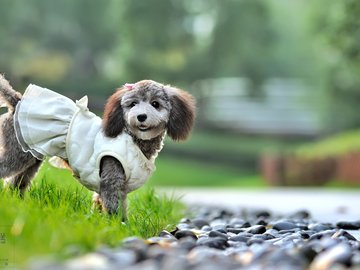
x=142 y=117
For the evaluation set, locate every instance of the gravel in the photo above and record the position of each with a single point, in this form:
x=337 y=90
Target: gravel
x=217 y=238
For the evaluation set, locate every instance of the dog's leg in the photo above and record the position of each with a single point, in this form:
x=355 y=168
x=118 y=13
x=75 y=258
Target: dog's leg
x=124 y=207
x=112 y=186
x=13 y=160
x=14 y=164
x=23 y=179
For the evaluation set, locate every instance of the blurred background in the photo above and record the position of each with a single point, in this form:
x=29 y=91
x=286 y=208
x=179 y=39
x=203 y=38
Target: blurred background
x=277 y=82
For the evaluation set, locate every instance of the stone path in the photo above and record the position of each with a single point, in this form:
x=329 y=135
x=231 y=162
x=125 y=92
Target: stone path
x=241 y=229
x=325 y=205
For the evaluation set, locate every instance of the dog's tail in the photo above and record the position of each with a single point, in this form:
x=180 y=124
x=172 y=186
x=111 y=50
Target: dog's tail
x=8 y=96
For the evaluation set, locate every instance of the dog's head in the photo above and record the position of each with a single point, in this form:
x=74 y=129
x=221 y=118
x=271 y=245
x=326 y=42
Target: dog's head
x=147 y=109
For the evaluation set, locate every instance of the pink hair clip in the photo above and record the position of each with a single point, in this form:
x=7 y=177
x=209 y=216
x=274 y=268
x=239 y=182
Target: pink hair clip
x=129 y=86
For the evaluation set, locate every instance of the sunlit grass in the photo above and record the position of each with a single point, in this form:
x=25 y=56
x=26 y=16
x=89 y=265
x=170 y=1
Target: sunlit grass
x=180 y=172
x=57 y=219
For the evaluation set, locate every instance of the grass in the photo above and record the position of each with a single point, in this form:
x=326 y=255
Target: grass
x=334 y=146
x=181 y=172
x=55 y=217
x=222 y=143
x=173 y=172
x=341 y=185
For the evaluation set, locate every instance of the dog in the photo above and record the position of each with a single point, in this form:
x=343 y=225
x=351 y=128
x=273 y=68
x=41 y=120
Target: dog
x=111 y=156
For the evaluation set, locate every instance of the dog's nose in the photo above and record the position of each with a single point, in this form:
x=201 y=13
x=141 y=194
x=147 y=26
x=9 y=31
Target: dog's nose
x=142 y=117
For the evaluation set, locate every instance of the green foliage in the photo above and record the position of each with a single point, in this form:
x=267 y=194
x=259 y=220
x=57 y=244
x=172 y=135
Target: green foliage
x=154 y=42
x=338 y=28
x=333 y=146
x=55 y=217
x=101 y=44
x=245 y=37
x=71 y=43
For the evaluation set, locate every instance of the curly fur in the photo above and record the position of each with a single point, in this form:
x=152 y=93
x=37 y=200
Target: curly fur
x=147 y=111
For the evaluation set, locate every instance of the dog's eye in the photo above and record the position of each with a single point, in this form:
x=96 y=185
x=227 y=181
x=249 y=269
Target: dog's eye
x=155 y=104
x=132 y=104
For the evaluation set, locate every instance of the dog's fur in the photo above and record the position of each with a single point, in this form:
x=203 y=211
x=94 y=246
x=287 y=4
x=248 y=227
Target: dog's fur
x=146 y=110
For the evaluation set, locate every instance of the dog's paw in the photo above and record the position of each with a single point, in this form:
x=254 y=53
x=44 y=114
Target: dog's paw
x=97 y=205
x=59 y=163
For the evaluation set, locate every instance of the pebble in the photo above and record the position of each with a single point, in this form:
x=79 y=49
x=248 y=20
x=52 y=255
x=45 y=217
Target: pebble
x=284 y=225
x=348 y=225
x=256 y=229
x=240 y=238
x=340 y=254
x=185 y=233
x=199 y=222
x=318 y=227
x=213 y=242
x=222 y=239
x=218 y=234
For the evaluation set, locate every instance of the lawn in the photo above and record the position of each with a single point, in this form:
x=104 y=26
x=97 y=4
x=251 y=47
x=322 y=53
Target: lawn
x=182 y=172
x=186 y=173
x=229 y=144
x=56 y=218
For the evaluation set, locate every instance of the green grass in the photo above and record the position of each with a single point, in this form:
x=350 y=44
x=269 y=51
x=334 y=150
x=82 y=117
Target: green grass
x=180 y=172
x=341 y=185
x=222 y=143
x=184 y=173
x=334 y=146
x=55 y=217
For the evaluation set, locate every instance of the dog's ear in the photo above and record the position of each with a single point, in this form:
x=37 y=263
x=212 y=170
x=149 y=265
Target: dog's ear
x=113 y=121
x=182 y=114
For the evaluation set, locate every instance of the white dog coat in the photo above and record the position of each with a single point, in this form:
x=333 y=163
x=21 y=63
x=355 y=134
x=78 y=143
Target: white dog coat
x=50 y=124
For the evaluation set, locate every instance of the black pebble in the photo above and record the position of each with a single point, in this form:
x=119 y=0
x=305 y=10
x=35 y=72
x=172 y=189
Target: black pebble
x=199 y=223
x=318 y=227
x=185 y=233
x=220 y=228
x=185 y=220
x=344 y=234
x=284 y=225
x=206 y=228
x=246 y=225
x=262 y=237
x=321 y=234
x=268 y=236
x=261 y=222
x=187 y=243
x=214 y=242
x=302 y=214
x=308 y=253
x=288 y=231
x=304 y=235
x=263 y=214
x=235 y=230
x=254 y=241
x=256 y=229
x=166 y=234
x=348 y=225
x=218 y=234
x=239 y=238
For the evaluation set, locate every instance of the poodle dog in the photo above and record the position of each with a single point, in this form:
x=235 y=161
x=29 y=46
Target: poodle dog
x=111 y=156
